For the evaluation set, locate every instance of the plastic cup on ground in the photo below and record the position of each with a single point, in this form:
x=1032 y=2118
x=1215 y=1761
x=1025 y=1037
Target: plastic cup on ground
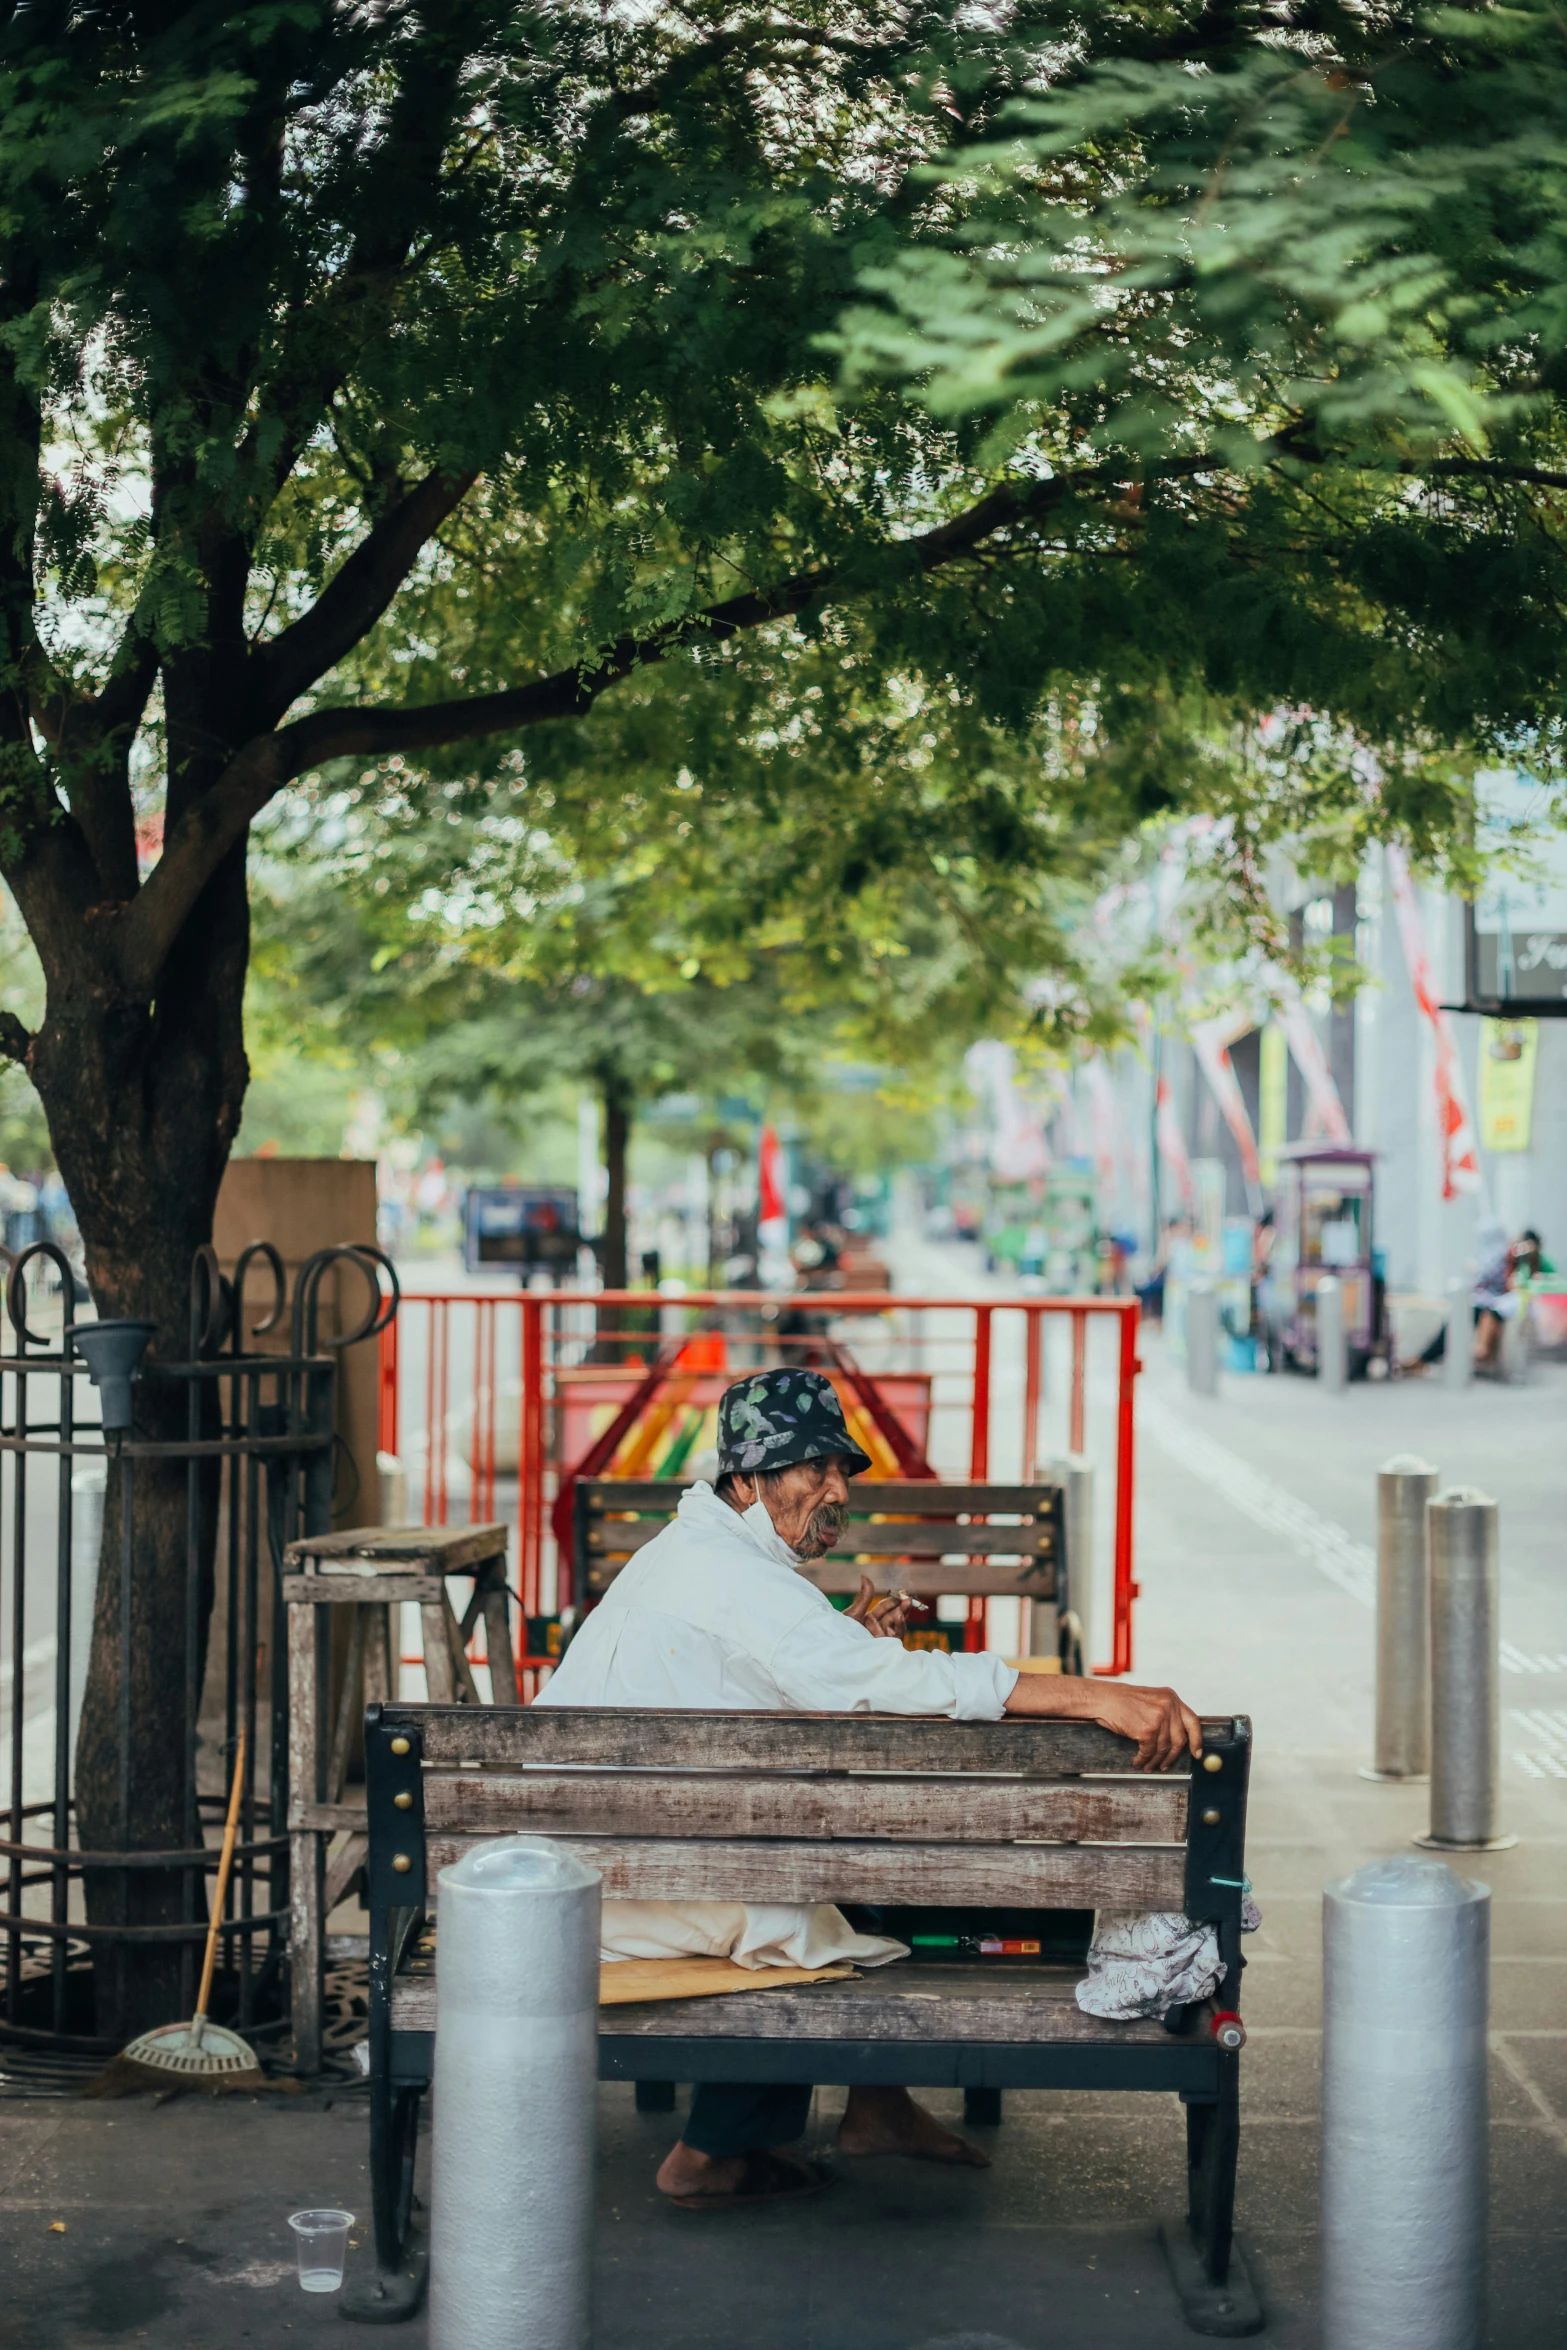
x=321 y=2239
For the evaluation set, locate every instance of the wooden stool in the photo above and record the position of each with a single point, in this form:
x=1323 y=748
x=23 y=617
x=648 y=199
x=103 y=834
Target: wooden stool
x=372 y=1570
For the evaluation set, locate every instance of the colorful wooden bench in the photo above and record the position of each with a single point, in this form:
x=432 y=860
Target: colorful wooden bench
x=977 y=1541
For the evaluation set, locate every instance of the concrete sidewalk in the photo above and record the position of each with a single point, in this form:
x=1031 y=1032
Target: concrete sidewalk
x=1236 y=1612
x=1255 y=1511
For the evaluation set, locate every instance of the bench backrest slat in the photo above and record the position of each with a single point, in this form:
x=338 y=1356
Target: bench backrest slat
x=907 y=1496
x=1000 y=1541
x=936 y=1579
x=923 y=1579
x=1144 y=1810
x=650 y=1738
x=1025 y=1876
x=930 y=1538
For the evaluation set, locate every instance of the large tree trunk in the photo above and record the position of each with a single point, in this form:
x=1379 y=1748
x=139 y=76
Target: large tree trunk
x=143 y=1106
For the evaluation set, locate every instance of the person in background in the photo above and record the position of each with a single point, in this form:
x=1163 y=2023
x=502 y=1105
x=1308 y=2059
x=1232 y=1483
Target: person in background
x=815 y=1257
x=1264 y=1233
x=1530 y=1262
x=1151 y=1295
x=1494 y=1301
x=1116 y=1253
x=1499 y=1291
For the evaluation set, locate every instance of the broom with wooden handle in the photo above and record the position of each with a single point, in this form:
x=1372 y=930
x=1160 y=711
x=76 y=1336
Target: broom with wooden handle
x=199 y=2051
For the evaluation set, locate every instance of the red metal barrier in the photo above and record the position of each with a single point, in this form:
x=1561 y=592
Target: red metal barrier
x=501 y=1424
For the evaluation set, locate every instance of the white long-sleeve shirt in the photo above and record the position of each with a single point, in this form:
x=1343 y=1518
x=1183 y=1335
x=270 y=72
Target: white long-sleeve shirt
x=713 y=1615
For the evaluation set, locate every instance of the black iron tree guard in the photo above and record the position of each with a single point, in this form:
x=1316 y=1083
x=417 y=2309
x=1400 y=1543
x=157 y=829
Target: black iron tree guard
x=261 y=1427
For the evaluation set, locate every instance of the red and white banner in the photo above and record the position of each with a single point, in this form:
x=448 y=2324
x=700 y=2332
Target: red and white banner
x=1172 y=1146
x=772 y=1205
x=1019 y=1149
x=1312 y=1062
x=1102 y=1125
x=1211 y=1041
x=1455 y=1131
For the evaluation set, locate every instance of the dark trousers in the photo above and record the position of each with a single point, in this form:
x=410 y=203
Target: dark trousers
x=731 y=2117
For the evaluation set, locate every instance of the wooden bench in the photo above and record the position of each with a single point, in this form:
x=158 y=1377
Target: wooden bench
x=1013 y=1815
x=980 y=1541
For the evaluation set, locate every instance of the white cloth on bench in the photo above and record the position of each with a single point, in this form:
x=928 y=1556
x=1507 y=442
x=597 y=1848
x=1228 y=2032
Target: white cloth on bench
x=1143 y=1963
x=752 y=1934
x=712 y=1614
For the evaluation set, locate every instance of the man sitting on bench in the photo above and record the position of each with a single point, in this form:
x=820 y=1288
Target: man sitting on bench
x=711 y=1614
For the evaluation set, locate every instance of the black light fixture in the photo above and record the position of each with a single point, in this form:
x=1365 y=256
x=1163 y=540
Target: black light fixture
x=112 y=1352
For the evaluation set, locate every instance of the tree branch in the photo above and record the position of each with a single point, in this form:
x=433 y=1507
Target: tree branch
x=367 y=581
x=92 y=745
x=351 y=603
x=322 y=337
x=1308 y=452
x=760 y=45
x=206 y=832
x=1484 y=469
x=15 y=1041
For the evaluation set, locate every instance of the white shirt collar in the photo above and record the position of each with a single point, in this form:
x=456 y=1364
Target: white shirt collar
x=701 y=1505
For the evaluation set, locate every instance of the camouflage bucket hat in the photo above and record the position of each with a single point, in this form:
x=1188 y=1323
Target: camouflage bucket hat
x=775 y=1419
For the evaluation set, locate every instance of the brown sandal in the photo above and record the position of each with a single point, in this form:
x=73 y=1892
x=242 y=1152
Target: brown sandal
x=766 y=2178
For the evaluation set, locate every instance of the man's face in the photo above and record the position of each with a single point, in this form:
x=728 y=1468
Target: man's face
x=809 y=1504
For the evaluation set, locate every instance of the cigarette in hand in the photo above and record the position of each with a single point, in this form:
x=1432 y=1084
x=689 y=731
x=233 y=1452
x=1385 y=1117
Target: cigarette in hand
x=900 y=1599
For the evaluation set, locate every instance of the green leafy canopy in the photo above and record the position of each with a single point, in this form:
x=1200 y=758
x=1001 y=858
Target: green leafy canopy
x=1300 y=275
x=379 y=382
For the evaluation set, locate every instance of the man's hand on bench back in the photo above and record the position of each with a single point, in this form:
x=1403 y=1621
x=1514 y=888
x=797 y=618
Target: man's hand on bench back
x=1166 y=1731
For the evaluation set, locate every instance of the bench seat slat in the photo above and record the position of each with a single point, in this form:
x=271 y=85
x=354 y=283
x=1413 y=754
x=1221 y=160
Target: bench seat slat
x=1011 y=2003
x=649 y=1738
x=727 y=1804
x=1027 y=1876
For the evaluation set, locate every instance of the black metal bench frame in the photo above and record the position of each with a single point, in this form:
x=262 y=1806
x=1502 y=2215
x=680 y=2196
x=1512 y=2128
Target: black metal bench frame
x=1196 y=2058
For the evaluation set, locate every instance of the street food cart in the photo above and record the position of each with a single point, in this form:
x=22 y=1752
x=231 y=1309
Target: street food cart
x=1323 y=1223
x=1070 y=1237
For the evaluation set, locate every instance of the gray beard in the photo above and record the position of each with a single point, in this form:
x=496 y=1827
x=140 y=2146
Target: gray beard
x=822 y=1529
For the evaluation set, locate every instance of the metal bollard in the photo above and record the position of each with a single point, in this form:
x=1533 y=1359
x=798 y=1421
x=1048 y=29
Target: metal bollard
x=1076 y=1473
x=516 y=2063
x=1461 y=1536
x=1332 y=1345
x=1202 y=1339
x=1405 y=1949
x=1402 y=1748
x=1513 y=1354
x=1458 y=1364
